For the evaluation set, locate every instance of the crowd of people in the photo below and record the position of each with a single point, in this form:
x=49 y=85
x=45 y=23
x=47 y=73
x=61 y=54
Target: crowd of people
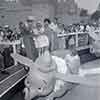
x=38 y=36
x=9 y=34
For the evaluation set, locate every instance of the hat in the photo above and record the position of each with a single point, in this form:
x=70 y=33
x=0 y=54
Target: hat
x=30 y=18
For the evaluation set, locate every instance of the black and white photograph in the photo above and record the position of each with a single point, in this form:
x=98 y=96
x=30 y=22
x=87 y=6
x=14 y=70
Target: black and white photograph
x=49 y=49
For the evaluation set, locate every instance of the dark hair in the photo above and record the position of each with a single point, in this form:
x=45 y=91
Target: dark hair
x=73 y=51
x=55 y=18
x=47 y=20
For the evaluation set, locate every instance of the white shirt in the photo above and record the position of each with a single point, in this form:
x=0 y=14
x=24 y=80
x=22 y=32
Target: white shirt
x=88 y=28
x=54 y=27
x=81 y=28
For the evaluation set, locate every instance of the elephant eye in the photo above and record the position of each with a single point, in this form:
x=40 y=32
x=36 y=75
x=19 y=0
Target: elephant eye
x=39 y=88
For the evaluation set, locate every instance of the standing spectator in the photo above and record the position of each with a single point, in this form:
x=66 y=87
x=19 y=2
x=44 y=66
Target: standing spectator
x=54 y=26
x=61 y=41
x=41 y=41
x=27 y=31
x=49 y=33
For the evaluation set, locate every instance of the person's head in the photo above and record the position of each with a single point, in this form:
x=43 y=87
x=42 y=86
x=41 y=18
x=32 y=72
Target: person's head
x=47 y=22
x=30 y=21
x=21 y=25
x=38 y=25
x=55 y=20
x=73 y=51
